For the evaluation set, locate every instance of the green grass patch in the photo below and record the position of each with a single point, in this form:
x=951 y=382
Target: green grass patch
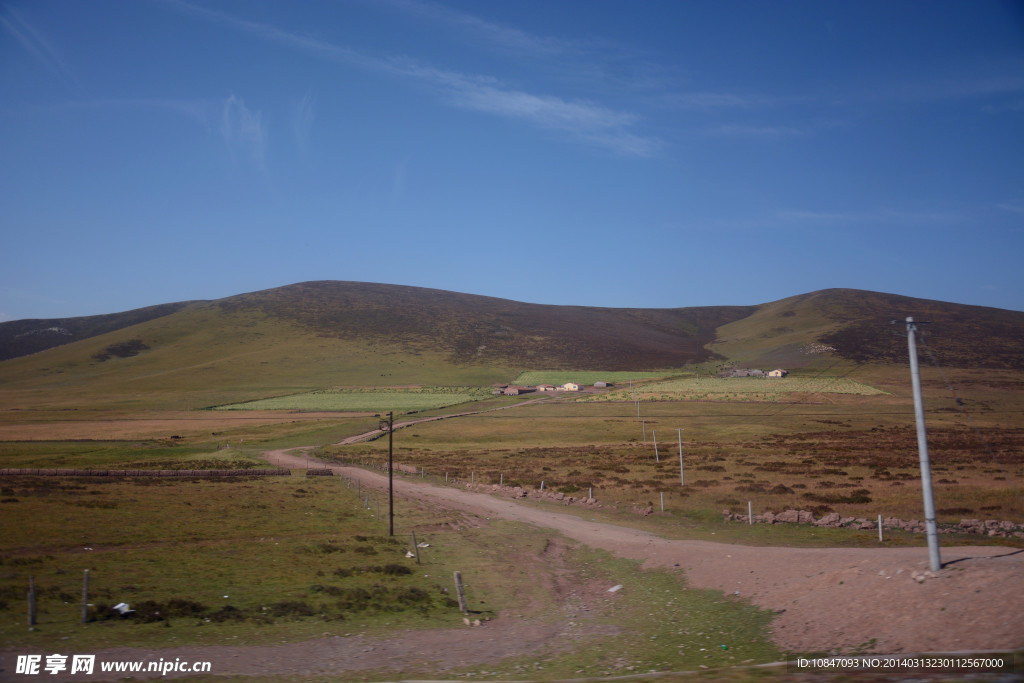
x=398 y=400
x=656 y=623
x=741 y=389
x=151 y=454
x=239 y=561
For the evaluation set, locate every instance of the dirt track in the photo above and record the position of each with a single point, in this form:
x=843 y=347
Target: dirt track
x=839 y=600
x=827 y=599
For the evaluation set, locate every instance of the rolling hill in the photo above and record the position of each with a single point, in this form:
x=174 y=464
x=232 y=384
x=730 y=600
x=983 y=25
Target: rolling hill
x=317 y=334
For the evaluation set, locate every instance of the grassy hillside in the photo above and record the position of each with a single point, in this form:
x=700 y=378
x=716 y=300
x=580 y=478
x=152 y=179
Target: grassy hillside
x=23 y=337
x=205 y=355
x=317 y=335
x=472 y=329
x=846 y=326
x=324 y=334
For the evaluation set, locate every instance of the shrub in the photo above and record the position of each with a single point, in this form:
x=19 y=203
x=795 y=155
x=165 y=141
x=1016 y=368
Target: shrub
x=290 y=608
x=412 y=595
x=227 y=613
x=859 y=496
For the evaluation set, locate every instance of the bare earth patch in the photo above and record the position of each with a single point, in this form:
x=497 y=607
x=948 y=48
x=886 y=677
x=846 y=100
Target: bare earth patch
x=826 y=600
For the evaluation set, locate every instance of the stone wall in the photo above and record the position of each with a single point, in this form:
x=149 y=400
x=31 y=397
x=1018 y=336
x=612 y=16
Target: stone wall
x=38 y=472
x=988 y=527
x=520 y=492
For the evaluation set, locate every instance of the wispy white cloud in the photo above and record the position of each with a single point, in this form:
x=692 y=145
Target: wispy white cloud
x=1013 y=206
x=748 y=131
x=243 y=129
x=963 y=88
x=38 y=45
x=708 y=100
x=584 y=121
x=491 y=33
x=302 y=117
x=197 y=110
x=877 y=216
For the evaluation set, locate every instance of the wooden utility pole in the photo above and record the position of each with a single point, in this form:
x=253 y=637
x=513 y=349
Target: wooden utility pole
x=460 y=593
x=31 y=601
x=85 y=597
x=931 y=528
x=389 y=425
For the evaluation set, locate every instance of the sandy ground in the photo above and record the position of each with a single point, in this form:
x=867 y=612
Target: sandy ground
x=827 y=599
x=830 y=600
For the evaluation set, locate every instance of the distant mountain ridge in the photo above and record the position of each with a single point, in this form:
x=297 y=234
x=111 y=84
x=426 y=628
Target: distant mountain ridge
x=466 y=329
x=24 y=337
x=471 y=328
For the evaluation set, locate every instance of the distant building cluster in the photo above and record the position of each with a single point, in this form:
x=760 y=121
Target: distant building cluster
x=516 y=389
x=753 y=372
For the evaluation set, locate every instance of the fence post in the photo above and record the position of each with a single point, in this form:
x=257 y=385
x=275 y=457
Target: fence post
x=460 y=593
x=750 y=512
x=879 y=528
x=416 y=547
x=31 y=601
x=662 y=501
x=85 y=597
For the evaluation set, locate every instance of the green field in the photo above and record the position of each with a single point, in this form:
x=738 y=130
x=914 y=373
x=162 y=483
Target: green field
x=376 y=400
x=741 y=389
x=584 y=377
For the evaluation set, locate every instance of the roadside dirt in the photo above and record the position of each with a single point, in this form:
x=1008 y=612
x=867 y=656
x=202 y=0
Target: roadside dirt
x=826 y=600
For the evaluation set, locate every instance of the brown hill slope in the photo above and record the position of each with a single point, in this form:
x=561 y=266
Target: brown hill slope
x=469 y=330
x=478 y=329
x=857 y=325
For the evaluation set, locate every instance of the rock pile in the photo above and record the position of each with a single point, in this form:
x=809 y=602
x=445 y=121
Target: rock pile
x=520 y=492
x=988 y=527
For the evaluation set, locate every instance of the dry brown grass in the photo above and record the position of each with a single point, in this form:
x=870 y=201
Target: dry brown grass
x=40 y=426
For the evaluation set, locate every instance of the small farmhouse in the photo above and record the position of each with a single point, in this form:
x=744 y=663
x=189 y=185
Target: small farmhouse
x=516 y=391
x=545 y=387
x=601 y=385
x=570 y=386
x=778 y=372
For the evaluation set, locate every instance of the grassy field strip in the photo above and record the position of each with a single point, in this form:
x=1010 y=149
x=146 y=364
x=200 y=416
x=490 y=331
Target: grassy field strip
x=739 y=388
x=222 y=562
x=384 y=399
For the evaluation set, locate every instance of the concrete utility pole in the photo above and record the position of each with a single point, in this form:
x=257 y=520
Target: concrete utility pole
x=922 y=450
x=682 y=476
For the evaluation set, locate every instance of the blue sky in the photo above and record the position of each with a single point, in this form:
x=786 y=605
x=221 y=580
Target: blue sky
x=651 y=154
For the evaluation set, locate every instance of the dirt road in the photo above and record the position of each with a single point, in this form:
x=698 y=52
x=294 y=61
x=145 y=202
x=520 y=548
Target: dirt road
x=827 y=599
x=375 y=433
x=831 y=600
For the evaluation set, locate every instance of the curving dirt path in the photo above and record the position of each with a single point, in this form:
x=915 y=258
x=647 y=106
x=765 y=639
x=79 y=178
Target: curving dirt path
x=375 y=433
x=827 y=599
x=842 y=600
